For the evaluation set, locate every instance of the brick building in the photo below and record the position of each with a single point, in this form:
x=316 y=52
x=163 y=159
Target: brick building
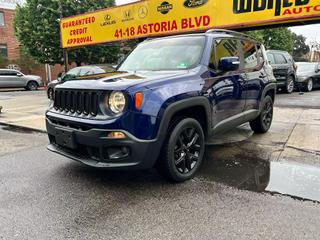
x=9 y=46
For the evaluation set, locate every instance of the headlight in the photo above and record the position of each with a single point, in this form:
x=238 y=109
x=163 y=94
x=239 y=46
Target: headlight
x=116 y=102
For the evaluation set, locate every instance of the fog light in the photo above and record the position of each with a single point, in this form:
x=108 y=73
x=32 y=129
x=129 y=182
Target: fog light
x=116 y=135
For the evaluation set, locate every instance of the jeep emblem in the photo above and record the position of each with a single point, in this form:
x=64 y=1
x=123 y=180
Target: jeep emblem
x=194 y=3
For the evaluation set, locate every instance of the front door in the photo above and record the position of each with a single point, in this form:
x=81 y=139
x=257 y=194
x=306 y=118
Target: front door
x=226 y=88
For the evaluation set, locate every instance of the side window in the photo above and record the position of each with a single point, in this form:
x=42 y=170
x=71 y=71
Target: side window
x=98 y=71
x=12 y=73
x=85 y=72
x=271 y=59
x=279 y=58
x=225 y=48
x=250 y=57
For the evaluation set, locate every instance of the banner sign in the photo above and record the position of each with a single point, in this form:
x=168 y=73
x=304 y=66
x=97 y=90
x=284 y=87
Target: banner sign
x=166 y=17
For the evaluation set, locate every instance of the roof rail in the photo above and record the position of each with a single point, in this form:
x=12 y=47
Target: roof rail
x=230 y=32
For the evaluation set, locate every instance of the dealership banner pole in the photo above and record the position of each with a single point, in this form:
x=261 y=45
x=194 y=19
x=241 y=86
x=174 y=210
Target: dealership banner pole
x=66 y=60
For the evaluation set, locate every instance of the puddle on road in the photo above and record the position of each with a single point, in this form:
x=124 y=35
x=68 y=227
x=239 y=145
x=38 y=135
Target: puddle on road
x=250 y=172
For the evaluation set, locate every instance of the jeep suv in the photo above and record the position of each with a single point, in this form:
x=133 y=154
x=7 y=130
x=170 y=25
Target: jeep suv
x=284 y=69
x=165 y=100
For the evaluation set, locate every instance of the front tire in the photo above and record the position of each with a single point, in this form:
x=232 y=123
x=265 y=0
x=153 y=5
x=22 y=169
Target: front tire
x=32 y=86
x=263 y=122
x=290 y=85
x=183 y=150
x=309 y=85
x=50 y=93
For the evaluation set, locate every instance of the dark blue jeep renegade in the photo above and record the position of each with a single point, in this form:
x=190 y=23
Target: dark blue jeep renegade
x=163 y=102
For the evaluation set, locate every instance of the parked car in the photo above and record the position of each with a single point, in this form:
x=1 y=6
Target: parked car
x=308 y=76
x=10 y=78
x=78 y=73
x=169 y=96
x=284 y=69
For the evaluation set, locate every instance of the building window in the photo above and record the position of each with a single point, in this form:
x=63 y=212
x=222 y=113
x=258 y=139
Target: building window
x=3 y=50
x=1 y=19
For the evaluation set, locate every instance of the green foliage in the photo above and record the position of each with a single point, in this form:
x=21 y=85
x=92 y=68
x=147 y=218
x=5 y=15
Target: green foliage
x=300 y=48
x=36 y=26
x=275 y=38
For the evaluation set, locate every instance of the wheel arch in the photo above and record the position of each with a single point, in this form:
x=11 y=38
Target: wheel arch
x=269 y=90
x=196 y=107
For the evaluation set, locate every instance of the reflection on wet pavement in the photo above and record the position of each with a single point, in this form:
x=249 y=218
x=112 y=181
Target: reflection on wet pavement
x=295 y=179
x=246 y=169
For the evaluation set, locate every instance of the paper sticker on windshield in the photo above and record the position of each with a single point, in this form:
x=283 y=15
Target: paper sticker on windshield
x=182 y=65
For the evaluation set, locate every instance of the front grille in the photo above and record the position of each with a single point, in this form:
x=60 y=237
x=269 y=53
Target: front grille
x=76 y=101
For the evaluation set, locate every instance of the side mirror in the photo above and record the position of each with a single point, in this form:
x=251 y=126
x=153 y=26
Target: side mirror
x=59 y=79
x=318 y=68
x=227 y=64
x=19 y=74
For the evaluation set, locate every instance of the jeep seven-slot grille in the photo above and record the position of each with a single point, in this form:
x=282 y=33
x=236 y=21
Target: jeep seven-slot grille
x=76 y=102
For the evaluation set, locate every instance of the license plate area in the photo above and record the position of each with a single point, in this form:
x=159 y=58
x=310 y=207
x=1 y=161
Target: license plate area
x=65 y=138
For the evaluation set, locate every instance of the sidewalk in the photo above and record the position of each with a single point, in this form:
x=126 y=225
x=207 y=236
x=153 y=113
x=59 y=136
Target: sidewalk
x=24 y=109
x=295 y=132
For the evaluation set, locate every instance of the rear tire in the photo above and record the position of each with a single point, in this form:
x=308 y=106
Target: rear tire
x=32 y=86
x=290 y=85
x=263 y=122
x=183 y=150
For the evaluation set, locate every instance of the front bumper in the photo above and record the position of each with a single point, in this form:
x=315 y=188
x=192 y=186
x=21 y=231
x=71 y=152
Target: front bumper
x=92 y=147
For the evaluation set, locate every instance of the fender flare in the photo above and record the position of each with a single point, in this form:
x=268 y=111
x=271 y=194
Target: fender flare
x=270 y=86
x=181 y=105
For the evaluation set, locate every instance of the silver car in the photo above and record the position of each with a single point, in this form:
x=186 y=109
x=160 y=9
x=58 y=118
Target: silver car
x=308 y=76
x=14 y=79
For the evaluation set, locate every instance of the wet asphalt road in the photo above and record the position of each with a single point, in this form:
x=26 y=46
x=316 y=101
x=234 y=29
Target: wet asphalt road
x=45 y=196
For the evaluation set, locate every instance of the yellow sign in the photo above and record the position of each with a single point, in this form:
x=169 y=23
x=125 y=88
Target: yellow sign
x=164 y=17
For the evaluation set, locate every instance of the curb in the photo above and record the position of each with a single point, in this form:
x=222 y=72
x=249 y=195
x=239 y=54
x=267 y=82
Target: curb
x=22 y=127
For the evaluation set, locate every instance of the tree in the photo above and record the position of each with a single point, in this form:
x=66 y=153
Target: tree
x=275 y=38
x=36 y=25
x=300 y=48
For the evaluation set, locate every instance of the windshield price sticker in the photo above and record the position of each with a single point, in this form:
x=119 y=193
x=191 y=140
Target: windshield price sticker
x=157 y=17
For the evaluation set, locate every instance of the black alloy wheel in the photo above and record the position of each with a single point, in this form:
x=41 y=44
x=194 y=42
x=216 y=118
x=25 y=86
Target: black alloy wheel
x=187 y=150
x=263 y=122
x=183 y=150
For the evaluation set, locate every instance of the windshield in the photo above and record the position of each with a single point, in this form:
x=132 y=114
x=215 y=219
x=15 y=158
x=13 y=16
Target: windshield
x=305 y=67
x=165 y=54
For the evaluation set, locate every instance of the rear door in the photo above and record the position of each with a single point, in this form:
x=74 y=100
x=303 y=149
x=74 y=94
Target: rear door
x=253 y=62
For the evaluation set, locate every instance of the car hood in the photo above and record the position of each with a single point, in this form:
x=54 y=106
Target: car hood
x=305 y=73
x=123 y=80
x=33 y=76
